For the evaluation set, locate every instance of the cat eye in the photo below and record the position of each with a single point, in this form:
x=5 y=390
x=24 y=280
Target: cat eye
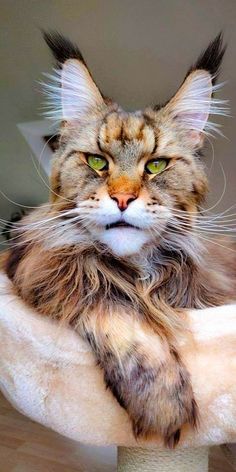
x=156 y=166
x=97 y=162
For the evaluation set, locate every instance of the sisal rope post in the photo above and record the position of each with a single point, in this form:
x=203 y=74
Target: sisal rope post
x=156 y=460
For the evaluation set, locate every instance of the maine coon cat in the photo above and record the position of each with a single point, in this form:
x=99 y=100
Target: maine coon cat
x=117 y=253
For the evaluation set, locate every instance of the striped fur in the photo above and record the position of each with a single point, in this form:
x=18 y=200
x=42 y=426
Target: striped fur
x=125 y=287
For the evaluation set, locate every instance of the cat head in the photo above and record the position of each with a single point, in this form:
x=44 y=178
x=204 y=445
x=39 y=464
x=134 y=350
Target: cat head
x=135 y=179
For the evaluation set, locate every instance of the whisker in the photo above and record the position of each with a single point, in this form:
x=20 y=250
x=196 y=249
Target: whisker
x=206 y=226
x=39 y=222
x=213 y=217
x=213 y=153
x=16 y=203
x=202 y=238
x=40 y=175
x=40 y=236
x=207 y=239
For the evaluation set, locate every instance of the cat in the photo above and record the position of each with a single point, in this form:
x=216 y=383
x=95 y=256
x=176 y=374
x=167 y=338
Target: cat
x=117 y=252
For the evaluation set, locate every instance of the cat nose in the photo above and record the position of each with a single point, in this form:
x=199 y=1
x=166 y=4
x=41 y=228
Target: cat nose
x=123 y=199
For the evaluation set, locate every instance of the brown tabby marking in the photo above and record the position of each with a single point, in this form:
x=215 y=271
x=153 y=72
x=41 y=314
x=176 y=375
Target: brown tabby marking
x=122 y=277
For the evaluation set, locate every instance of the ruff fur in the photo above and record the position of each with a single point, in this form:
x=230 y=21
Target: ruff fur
x=125 y=290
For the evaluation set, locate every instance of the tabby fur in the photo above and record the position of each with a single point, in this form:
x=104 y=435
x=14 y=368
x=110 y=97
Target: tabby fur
x=125 y=289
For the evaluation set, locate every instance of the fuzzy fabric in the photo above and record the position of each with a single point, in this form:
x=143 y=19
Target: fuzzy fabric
x=48 y=373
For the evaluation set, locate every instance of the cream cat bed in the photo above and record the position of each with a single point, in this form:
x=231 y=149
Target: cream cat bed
x=49 y=374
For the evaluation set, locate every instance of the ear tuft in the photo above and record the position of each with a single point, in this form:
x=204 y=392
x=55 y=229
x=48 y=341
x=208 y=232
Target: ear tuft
x=62 y=48
x=210 y=60
x=195 y=100
x=71 y=93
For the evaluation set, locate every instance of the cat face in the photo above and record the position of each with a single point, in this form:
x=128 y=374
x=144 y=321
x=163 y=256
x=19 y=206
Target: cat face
x=130 y=177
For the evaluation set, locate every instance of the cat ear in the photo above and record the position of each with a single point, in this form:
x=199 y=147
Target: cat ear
x=72 y=93
x=79 y=93
x=195 y=102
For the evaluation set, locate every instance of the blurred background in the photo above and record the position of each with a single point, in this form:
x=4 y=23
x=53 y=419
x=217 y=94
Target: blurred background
x=138 y=52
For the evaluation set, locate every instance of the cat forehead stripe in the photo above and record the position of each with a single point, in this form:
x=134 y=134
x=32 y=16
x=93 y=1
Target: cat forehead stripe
x=126 y=128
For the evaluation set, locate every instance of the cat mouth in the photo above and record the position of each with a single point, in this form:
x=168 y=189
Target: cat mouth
x=121 y=224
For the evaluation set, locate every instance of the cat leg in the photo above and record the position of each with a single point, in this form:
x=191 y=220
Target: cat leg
x=146 y=376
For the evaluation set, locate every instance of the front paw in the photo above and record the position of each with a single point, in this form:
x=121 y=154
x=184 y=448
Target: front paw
x=165 y=404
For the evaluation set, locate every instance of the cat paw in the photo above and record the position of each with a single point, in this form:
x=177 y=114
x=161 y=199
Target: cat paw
x=166 y=405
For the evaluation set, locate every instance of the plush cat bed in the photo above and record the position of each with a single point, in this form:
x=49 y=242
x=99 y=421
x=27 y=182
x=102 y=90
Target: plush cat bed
x=48 y=373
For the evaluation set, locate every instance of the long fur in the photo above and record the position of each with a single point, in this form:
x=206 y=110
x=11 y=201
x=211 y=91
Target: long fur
x=129 y=307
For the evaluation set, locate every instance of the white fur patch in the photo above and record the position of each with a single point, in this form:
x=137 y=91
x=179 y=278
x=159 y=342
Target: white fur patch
x=72 y=92
x=137 y=215
x=193 y=103
x=124 y=241
x=106 y=213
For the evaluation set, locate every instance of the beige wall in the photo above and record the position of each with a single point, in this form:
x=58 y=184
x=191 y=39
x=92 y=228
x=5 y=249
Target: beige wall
x=138 y=51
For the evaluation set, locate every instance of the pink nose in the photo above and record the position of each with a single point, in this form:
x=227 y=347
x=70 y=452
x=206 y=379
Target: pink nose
x=123 y=199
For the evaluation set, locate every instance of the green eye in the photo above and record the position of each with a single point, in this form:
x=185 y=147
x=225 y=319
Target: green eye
x=97 y=162
x=156 y=166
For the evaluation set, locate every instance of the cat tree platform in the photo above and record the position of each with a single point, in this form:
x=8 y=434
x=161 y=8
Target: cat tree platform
x=49 y=374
